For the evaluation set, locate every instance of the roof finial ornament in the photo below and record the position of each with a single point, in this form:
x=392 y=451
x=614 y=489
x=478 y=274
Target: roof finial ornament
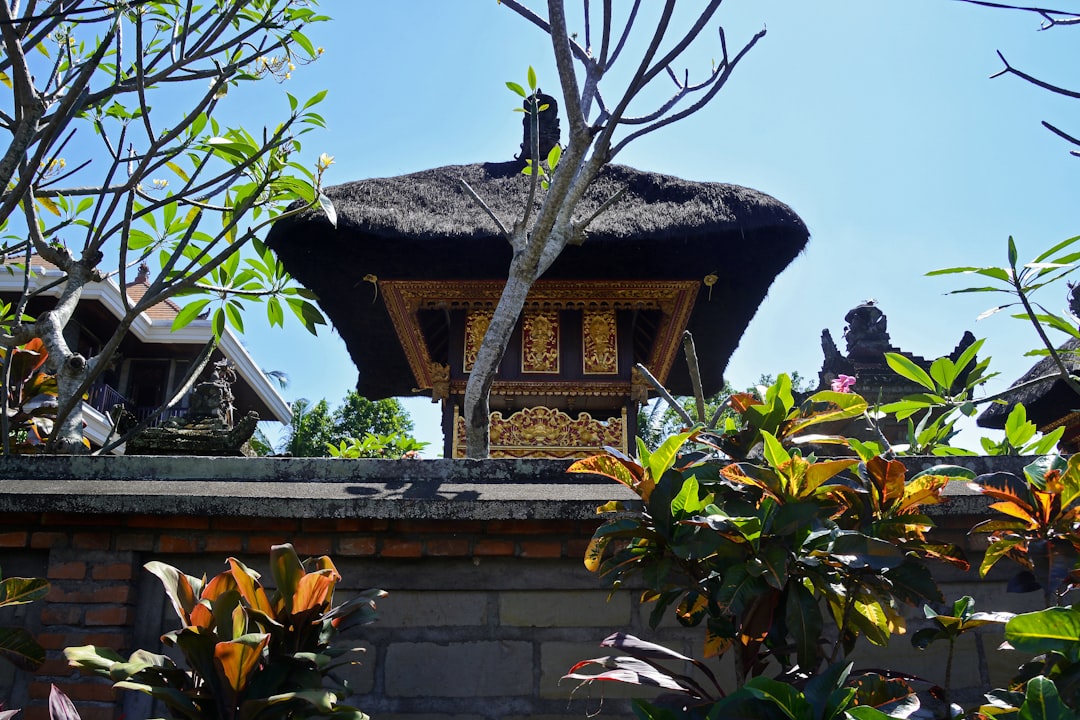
x=144 y=274
x=548 y=119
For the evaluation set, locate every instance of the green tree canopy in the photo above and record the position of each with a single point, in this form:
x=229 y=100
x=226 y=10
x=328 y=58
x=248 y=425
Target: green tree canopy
x=314 y=425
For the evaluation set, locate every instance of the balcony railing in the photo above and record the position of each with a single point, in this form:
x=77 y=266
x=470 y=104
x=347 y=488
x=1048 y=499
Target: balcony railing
x=104 y=398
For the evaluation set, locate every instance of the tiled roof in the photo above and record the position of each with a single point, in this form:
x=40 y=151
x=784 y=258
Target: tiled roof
x=166 y=310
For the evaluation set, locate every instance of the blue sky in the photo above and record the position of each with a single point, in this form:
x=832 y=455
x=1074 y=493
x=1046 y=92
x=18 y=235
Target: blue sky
x=876 y=121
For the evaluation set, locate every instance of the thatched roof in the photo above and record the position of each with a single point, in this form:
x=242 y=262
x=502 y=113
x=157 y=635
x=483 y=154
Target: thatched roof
x=1046 y=401
x=424 y=225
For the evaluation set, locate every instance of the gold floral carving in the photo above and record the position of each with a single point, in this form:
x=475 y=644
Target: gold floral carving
x=476 y=324
x=540 y=341
x=599 y=341
x=542 y=432
x=557 y=388
x=674 y=298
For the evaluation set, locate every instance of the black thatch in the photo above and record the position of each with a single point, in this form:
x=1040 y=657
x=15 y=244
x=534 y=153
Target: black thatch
x=424 y=225
x=1046 y=401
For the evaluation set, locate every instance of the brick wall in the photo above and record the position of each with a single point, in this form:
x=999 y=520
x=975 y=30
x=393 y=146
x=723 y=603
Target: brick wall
x=480 y=612
x=489 y=603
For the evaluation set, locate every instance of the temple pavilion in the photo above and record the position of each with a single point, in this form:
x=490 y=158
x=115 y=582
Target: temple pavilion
x=412 y=271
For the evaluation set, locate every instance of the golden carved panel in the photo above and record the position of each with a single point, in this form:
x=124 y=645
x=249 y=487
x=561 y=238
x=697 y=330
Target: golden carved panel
x=540 y=341
x=599 y=342
x=476 y=324
x=542 y=432
x=674 y=298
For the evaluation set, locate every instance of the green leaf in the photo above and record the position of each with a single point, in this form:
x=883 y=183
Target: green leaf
x=906 y=368
x=867 y=712
x=784 y=697
x=314 y=100
x=952 y=271
x=532 y=79
x=274 y=314
x=308 y=314
x=137 y=239
x=1054 y=629
x=1017 y=428
x=663 y=458
x=188 y=313
x=1042 y=701
x=178 y=170
x=775 y=454
x=996 y=273
x=771 y=566
x=218 y=323
x=688 y=501
x=224 y=147
x=301 y=188
x=517 y=89
x=738 y=589
x=1057 y=248
x=286 y=569
x=827 y=406
x=20 y=649
x=300 y=39
x=19 y=591
x=1012 y=252
x=553 y=156
x=232 y=314
x=944 y=372
x=183 y=590
x=804 y=621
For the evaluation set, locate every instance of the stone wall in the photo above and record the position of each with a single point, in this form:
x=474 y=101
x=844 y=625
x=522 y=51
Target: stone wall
x=490 y=604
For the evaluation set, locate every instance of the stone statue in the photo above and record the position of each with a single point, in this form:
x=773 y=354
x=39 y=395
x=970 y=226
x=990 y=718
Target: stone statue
x=208 y=427
x=866 y=334
x=213 y=399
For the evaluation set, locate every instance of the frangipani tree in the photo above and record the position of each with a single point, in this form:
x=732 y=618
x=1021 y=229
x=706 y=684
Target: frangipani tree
x=601 y=124
x=95 y=183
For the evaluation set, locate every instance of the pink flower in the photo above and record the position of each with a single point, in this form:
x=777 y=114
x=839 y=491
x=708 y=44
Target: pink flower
x=843 y=383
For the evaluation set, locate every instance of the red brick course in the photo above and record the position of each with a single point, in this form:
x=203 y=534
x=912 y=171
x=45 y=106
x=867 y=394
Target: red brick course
x=398 y=548
x=356 y=546
x=67 y=571
x=13 y=539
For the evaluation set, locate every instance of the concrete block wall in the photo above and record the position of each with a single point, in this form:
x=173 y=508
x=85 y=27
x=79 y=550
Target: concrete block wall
x=490 y=604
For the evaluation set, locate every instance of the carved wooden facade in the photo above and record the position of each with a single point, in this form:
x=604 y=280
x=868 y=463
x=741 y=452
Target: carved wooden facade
x=566 y=386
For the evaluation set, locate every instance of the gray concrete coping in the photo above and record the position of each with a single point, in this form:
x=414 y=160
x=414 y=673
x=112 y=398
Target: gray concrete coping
x=336 y=488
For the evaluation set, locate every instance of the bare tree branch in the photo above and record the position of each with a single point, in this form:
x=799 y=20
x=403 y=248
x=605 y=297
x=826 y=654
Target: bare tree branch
x=664 y=394
x=1056 y=89
x=589 y=148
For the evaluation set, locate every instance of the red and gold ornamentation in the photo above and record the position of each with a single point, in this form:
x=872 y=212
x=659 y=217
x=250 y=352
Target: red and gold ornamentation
x=599 y=343
x=540 y=341
x=476 y=324
x=404 y=298
x=542 y=432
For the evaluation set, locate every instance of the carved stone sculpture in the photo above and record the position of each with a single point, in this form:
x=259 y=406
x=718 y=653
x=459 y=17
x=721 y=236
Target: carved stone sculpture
x=207 y=428
x=866 y=333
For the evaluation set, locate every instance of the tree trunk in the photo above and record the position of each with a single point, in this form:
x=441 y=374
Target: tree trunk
x=70 y=367
x=497 y=337
x=68 y=437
